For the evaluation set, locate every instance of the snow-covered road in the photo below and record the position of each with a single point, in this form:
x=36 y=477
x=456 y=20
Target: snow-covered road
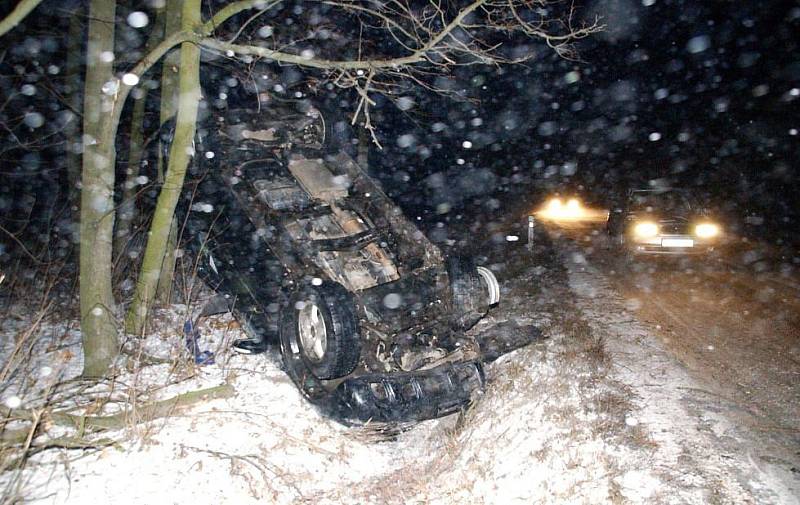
x=698 y=443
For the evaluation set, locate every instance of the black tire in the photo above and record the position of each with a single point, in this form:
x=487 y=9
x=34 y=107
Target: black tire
x=341 y=350
x=613 y=237
x=468 y=293
x=626 y=259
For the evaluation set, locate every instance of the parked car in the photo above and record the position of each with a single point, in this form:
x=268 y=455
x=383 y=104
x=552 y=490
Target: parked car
x=662 y=222
x=369 y=314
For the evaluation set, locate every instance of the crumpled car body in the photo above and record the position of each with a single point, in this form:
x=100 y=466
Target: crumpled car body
x=369 y=315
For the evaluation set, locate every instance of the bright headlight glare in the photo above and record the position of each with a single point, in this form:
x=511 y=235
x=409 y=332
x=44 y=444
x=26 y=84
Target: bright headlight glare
x=645 y=229
x=706 y=230
x=573 y=204
x=554 y=204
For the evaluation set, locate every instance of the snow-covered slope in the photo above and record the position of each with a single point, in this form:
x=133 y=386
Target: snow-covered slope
x=595 y=412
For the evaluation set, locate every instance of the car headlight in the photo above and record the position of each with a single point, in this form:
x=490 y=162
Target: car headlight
x=573 y=205
x=554 y=205
x=706 y=230
x=645 y=229
x=558 y=209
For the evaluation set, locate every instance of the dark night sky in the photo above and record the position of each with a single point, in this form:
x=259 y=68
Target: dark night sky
x=695 y=93
x=698 y=94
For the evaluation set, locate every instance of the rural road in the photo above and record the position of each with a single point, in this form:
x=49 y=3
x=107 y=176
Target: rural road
x=736 y=332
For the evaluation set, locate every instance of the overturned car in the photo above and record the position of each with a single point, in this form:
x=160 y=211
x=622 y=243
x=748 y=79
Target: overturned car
x=311 y=253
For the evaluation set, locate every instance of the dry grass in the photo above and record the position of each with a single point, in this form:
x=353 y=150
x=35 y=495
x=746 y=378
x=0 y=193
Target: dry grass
x=16 y=435
x=40 y=426
x=608 y=399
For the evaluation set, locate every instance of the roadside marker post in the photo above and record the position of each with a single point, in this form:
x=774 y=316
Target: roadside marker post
x=531 y=227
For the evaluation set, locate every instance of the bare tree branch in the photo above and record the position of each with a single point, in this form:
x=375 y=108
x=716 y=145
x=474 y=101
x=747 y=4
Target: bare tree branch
x=16 y=16
x=427 y=36
x=429 y=40
x=230 y=10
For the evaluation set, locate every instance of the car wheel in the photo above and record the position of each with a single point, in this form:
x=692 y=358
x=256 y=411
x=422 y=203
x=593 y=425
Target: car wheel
x=319 y=327
x=472 y=290
x=620 y=254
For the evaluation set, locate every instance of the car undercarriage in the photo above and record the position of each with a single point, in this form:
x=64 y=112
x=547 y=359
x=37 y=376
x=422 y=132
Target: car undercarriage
x=311 y=253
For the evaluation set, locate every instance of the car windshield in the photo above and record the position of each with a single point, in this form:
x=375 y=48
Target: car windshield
x=674 y=202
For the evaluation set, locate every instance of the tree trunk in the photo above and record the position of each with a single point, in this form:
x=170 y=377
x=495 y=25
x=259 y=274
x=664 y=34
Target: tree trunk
x=98 y=325
x=127 y=207
x=165 y=277
x=169 y=77
x=179 y=158
x=169 y=104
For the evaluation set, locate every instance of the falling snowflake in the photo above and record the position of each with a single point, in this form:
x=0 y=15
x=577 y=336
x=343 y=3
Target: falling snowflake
x=138 y=19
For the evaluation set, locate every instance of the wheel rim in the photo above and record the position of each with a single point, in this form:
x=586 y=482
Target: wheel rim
x=313 y=334
x=492 y=285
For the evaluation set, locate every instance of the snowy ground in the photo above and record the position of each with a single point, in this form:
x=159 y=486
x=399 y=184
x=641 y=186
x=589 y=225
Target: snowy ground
x=597 y=412
x=696 y=442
